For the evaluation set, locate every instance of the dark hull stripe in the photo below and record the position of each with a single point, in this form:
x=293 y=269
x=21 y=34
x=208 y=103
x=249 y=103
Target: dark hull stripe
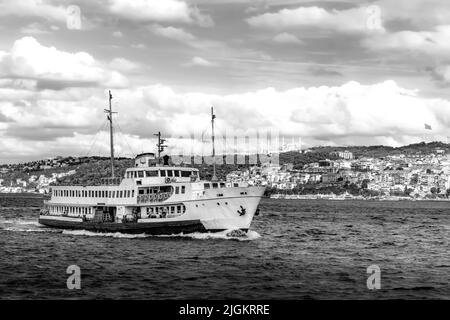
x=152 y=228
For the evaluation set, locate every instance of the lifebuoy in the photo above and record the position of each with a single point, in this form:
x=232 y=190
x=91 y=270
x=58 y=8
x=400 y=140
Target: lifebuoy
x=167 y=180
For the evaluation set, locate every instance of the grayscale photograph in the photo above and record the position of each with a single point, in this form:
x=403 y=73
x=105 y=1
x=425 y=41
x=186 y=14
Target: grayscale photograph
x=223 y=155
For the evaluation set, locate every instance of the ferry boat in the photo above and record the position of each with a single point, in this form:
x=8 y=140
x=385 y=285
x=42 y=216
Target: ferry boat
x=154 y=197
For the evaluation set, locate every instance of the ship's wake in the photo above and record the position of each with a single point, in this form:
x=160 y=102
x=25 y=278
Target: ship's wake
x=232 y=234
x=237 y=235
x=23 y=225
x=27 y=225
x=87 y=233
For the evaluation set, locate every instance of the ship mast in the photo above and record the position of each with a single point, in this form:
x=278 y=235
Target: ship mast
x=213 y=116
x=111 y=137
x=160 y=145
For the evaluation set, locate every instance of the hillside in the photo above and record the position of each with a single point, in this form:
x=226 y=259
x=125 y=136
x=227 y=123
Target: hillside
x=383 y=151
x=90 y=170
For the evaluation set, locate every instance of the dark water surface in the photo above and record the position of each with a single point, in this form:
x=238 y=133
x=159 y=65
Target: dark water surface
x=297 y=249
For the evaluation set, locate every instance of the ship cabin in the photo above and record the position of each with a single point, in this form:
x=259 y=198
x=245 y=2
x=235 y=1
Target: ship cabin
x=148 y=170
x=148 y=188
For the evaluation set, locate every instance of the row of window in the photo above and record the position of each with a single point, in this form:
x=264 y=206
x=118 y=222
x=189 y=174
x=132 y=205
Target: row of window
x=57 y=210
x=166 y=210
x=94 y=193
x=160 y=173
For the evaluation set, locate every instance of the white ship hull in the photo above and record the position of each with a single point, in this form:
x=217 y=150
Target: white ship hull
x=208 y=213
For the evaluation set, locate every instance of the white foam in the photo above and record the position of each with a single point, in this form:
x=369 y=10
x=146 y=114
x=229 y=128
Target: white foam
x=20 y=222
x=22 y=225
x=103 y=234
x=224 y=235
x=30 y=230
x=27 y=222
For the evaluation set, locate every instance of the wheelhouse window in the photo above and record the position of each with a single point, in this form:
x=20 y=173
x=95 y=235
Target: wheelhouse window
x=176 y=173
x=183 y=189
x=215 y=185
x=169 y=173
x=140 y=174
x=206 y=186
x=151 y=173
x=185 y=174
x=163 y=173
x=177 y=190
x=222 y=184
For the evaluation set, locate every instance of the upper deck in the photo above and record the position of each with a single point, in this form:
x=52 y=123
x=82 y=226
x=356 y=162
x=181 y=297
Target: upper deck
x=146 y=178
x=160 y=175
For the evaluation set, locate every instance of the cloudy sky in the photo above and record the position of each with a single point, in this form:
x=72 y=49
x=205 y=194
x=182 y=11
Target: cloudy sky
x=330 y=72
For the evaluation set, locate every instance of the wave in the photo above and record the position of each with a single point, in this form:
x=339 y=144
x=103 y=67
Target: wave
x=223 y=235
x=230 y=234
x=104 y=234
x=30 y=230
x=23 y=225
x=27 y=223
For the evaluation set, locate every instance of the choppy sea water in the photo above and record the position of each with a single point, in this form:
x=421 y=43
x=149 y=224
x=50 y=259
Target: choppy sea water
x=297 y=249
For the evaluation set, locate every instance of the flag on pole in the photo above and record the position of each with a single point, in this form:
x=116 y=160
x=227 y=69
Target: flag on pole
x=427 y=126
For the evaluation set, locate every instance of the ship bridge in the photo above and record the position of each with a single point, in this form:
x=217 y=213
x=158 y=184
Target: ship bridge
x=162 y=174
x=148 y=170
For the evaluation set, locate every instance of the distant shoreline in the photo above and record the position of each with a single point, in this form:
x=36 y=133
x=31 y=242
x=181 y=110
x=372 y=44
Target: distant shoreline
x=312 y=197
x=22 y=194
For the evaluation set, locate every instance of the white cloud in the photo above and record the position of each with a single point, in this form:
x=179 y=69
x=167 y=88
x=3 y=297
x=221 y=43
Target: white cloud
x=138 y=46
x=160 y=11
x=28 y=59
x=360 y=19
x=34 y=28
x=441 y=74
x=33 y=8
x=285 y=37
x=352 y=114
x=199 y=61
x=420 y=13
x=124 y=65
x=430 y=42
x=351 y=110
x=117 y=34
x=173 y=33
